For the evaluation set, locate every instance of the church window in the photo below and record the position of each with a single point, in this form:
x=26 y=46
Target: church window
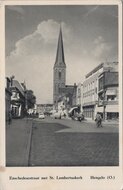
x=59 y=75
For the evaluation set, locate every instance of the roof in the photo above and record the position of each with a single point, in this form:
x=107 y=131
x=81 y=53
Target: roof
x=107 y=65
x=94 y=70
x=60 y=60
x=68 y=89
x=18 y=86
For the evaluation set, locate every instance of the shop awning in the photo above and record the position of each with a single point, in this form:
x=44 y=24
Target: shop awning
x=74 y=108
x=112 y=108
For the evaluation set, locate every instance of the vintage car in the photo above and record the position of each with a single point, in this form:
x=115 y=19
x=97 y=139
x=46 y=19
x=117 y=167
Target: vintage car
x=41 y=116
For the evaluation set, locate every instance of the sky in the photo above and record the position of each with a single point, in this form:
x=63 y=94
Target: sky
x=90 y=36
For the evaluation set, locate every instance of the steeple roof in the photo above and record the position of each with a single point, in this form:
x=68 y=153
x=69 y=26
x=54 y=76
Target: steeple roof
x=60 y=60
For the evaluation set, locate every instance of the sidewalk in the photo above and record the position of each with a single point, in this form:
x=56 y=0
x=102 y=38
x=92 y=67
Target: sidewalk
x=18 y=137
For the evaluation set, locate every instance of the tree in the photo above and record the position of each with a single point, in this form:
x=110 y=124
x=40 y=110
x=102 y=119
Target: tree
x=30 y=99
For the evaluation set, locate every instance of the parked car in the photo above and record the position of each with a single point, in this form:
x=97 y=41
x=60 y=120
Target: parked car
x=41 y=116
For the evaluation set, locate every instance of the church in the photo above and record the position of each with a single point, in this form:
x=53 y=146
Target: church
x=63 y=95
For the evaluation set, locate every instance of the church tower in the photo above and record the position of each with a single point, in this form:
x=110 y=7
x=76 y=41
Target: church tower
x=59 y=70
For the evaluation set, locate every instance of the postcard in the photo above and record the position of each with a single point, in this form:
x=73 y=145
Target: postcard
x=61 y=95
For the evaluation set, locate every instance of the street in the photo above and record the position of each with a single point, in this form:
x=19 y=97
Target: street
x=71 y=143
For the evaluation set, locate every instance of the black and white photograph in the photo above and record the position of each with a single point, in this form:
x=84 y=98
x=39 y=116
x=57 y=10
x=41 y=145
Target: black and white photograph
x=62 y=85
x=61 y=95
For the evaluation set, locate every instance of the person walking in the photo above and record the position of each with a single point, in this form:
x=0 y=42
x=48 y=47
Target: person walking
x=98 y=120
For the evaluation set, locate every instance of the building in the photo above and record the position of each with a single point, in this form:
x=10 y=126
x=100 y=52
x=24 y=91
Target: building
x=44 y=108
x=108 y=95
x=67 y=96
x=17 y=99
x=62 y=92
x=8 y=98
x=90 y=88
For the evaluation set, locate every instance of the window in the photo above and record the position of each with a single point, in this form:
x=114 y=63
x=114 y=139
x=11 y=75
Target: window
x=101 y=83
x=111 y=97
x=59 y=75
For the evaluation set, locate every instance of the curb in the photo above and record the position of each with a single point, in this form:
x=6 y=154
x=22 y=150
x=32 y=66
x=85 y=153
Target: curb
x=28 y=146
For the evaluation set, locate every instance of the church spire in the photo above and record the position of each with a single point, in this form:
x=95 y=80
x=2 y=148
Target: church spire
x=60 y=60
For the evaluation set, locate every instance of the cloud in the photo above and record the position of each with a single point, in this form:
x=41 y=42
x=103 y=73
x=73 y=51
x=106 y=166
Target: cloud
x=100 y=47
x=49 y=30
x=33 y=58
x=46 y=34
x=16 y=8
x=26 y=45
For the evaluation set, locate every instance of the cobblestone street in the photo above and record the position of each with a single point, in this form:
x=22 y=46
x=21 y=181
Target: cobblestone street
x=59 y=143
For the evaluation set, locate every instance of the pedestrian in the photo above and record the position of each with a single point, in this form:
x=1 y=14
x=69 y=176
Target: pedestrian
x=98 y=120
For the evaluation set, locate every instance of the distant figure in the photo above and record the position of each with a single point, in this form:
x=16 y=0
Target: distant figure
x=98 y=120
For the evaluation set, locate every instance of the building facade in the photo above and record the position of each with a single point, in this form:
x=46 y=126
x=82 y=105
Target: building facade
x=44 y=108
x=8 y=98
x=108 y=95
x=67 y=97
x=91 y=88
x=17 y=99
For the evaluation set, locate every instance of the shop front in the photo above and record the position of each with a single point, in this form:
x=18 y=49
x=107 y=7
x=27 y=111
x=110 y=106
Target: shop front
x=112 y=112
x=16 y=110
x=88 y=111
